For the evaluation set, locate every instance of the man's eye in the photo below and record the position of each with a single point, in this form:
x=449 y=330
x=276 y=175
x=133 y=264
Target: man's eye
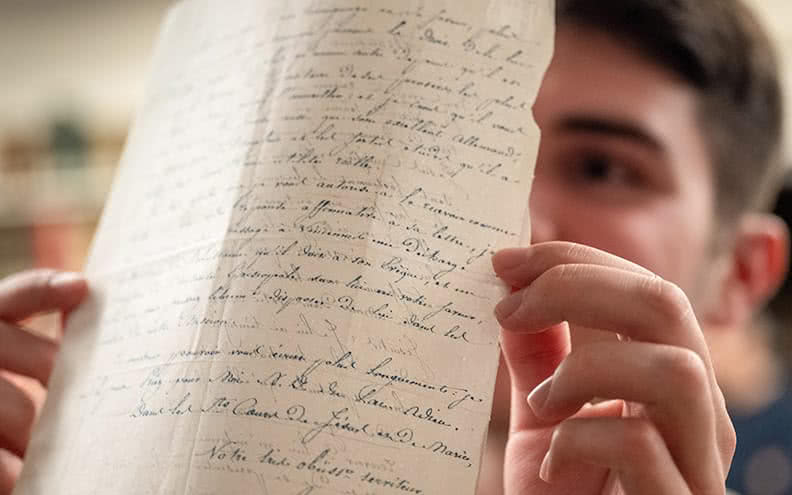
x=596 y=167
x=603 y=169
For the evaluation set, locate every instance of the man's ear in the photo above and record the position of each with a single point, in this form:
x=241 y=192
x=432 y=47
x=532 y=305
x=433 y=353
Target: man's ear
x=757 y=266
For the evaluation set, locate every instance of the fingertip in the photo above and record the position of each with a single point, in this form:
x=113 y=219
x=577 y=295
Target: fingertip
x=68 y=281
x=507 y=259
x=507 y=307
x=10 y=469
x=70 y=290
x=545 y=472
x=539 y=395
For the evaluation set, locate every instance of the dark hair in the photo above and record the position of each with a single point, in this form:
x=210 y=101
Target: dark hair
x=720 y=49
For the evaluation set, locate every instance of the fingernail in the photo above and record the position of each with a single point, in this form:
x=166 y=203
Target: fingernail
x=508 y=306
x=538 y=396
x=544 y=469
x=506 y=259
x=66 y=279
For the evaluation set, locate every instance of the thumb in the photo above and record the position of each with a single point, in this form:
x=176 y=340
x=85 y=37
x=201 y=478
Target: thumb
x=531 y=358
x=36 y=291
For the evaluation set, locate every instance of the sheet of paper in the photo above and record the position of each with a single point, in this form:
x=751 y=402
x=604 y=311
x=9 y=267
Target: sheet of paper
x=292 y=289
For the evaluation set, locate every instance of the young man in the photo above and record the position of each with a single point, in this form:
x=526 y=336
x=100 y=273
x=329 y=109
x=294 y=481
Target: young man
x=660 y=125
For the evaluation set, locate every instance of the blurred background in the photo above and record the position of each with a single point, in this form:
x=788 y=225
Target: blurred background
x=72 y=73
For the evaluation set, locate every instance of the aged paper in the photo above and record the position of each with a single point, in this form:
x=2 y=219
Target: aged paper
x=292 y=289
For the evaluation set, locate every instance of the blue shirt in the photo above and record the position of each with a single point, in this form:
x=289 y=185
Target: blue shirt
x=762 y=463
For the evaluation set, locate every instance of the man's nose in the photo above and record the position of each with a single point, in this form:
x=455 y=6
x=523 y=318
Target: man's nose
x=543 y=228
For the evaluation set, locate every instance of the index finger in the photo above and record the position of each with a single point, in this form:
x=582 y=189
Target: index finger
x=36 y=291
x=519 y=267
x=641 y=307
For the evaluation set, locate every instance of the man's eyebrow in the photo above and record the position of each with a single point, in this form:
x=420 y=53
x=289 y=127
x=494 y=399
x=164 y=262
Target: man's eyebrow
x=609 y=126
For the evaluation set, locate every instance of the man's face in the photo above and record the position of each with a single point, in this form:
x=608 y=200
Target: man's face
x=622 y=166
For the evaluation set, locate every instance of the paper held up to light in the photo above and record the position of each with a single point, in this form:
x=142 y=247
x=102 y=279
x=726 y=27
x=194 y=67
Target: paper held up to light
x=291 y=282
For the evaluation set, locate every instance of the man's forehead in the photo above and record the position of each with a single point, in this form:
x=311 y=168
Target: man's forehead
x=610 y=126
x=599 y=85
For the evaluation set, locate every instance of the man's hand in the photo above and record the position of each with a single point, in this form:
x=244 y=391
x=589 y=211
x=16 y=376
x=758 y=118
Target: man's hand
x=26 y=359
x=662 y=427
